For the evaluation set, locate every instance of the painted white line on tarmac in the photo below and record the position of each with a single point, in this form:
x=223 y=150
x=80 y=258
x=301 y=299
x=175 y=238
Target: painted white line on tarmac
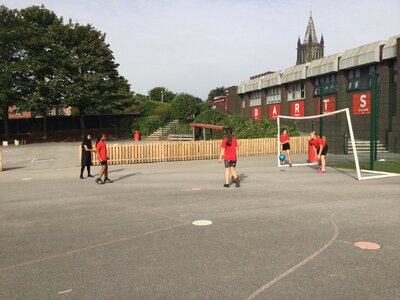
x=41 y=160
x=300 y=264
x=202 y=222
x=63 y=292
x=26 y=178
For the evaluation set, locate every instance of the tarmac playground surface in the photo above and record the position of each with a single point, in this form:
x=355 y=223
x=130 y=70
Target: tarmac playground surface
x=286 y=233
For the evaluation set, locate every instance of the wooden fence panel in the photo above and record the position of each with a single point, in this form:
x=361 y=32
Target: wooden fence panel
x=193 y=150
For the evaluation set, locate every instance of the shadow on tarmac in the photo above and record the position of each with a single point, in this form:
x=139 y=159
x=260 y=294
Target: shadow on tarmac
x=126 y=176
x=117 y=170
x=13 y=168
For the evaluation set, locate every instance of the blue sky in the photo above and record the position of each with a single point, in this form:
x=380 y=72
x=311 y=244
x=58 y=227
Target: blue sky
x=194 y=46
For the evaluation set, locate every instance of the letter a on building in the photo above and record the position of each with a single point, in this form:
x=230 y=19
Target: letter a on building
x=274 y=111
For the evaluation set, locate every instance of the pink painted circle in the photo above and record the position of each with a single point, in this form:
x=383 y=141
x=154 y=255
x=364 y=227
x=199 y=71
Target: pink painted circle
x=367 y=245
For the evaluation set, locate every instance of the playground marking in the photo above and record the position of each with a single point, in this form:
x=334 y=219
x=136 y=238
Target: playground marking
x=41 y=159
x=367 y=245
x=202 y=222
x=196 y=189
x=300 y=264
x=63 y=292
x=26 y=178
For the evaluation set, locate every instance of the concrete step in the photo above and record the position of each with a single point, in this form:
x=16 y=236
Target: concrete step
x=161 y=132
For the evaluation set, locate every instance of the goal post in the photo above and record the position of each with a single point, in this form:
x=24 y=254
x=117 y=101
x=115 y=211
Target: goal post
x=346 y=111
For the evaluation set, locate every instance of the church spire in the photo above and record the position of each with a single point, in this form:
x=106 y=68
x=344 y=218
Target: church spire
x=311 y=48
x=311 y=35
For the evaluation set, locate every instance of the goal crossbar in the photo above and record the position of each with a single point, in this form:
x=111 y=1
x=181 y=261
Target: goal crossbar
x=357 y=164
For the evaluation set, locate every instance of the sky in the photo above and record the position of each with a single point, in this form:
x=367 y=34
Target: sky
x=194 y=46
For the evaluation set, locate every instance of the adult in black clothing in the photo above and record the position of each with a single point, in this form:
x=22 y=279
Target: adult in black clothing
x=87 y=150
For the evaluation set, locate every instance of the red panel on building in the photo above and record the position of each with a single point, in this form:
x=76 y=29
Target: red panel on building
x=297 y=109
x=256 y=113
x=274 y=111
x=328 y=105
x=362 y=104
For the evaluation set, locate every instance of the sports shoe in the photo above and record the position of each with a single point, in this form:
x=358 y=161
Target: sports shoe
x=321 y=171
x=233 y=178
x=226 y=185
x=98 y=181
x=237 y=181
x=90 y=175
x=81 y=177
x=108 y=180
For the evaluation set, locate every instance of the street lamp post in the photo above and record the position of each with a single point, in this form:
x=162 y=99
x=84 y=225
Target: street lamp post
x=162 y=96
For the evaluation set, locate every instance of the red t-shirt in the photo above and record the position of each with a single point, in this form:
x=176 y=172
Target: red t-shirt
x=102 y=150
x=230 y=151
x=284 y=138
x=317 y=143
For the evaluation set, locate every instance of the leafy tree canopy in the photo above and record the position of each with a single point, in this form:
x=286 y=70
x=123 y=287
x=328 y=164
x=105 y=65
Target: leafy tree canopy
x=161 y=93
x=184 y=107
x=218 y=91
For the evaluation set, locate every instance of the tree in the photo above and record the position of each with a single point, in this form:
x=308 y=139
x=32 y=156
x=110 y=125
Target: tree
x=42 y=45
x=218 y=91
x=184 y=107
x=92 y=82
x=161 y=93
x=13 y=78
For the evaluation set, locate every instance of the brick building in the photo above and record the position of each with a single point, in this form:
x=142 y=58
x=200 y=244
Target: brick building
x=15 y=113
x=345 y=80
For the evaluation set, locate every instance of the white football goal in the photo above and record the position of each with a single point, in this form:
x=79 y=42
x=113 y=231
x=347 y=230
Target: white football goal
x=352 y=156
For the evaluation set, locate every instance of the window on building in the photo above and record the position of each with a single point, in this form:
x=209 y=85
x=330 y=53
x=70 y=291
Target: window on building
x=360 y=78
x=328 y=82
x=244 y=104
x=296 y=91
x=317 y=54
x=255 y=98
x=274 y=95
x=395 y=72
x=52 y=112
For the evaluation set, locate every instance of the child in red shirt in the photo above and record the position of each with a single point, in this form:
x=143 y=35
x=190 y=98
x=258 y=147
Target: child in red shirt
x=284 y=139
x=228 y=151
x=103 y=158
x=320 y=148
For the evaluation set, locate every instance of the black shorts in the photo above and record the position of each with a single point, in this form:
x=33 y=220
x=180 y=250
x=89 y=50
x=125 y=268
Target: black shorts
x=230 y=163
x=285 y=147
x=103 y=163
x=324 y=150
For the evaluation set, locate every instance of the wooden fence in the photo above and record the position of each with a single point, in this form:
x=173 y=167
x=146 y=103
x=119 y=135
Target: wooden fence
x=195 y=150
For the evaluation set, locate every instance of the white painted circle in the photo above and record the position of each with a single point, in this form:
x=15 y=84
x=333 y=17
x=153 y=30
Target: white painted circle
x=202 y=222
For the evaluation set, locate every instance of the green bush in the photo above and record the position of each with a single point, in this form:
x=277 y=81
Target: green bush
x=209 y=117
x=184 y=107
x=203 y=106
x=163 y=110
x=146 y=125
x=147 y=107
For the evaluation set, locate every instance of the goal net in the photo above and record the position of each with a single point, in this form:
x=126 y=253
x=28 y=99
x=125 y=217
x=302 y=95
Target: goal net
x=346 y=153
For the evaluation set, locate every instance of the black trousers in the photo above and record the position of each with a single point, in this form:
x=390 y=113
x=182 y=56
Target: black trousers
x=83 y=168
